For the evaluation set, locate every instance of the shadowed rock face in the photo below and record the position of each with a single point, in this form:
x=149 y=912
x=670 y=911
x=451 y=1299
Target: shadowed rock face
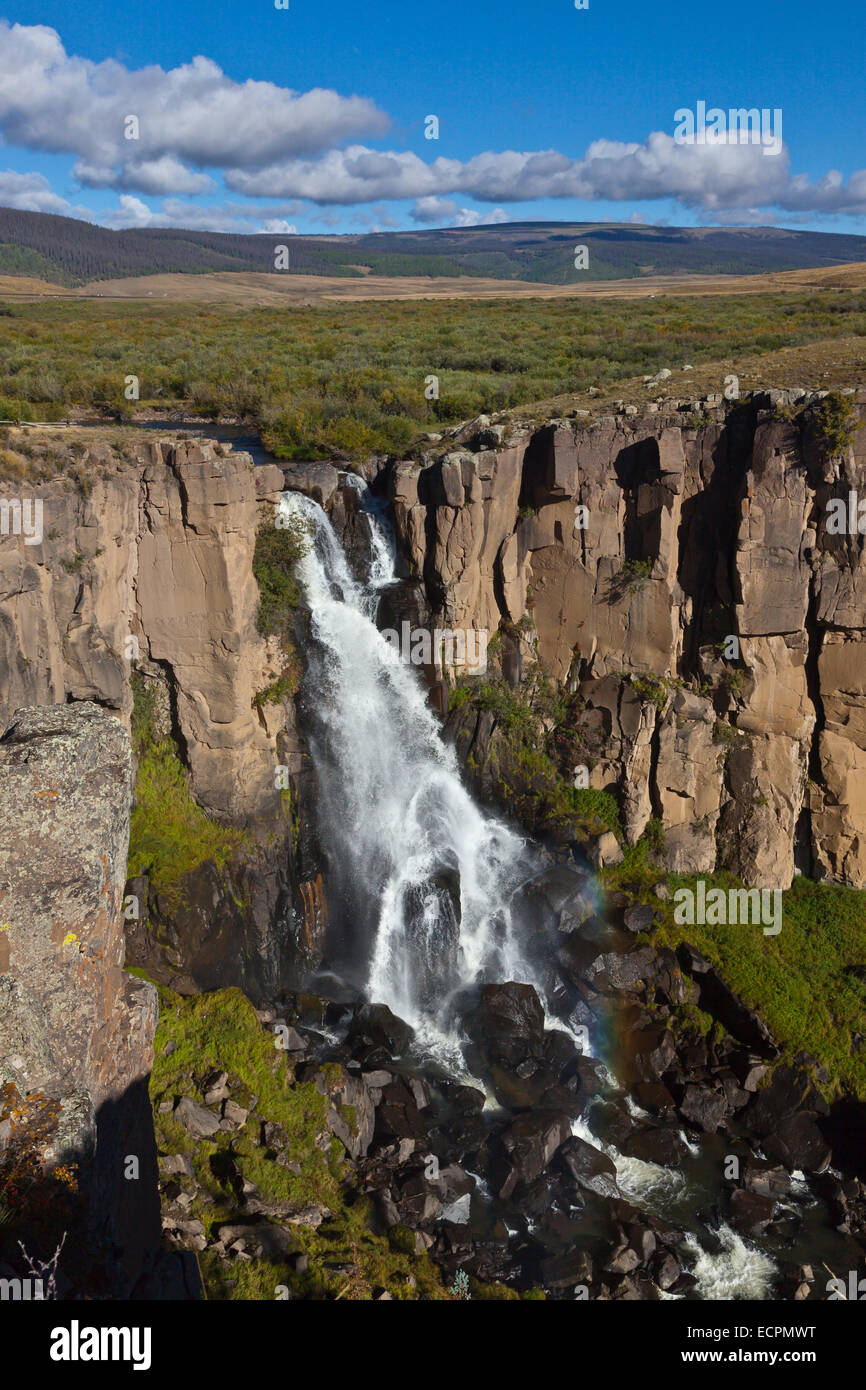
x=692 y=533
x=74 y=1026
x=73 y=1019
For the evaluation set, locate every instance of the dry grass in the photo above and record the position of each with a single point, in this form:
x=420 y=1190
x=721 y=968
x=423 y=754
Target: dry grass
x=247 y=289
x=832 y=363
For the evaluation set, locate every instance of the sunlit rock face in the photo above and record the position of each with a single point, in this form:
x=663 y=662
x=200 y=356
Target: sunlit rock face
x=636 y=547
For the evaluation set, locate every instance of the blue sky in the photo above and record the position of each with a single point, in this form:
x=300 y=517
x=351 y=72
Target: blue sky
x=545 y=111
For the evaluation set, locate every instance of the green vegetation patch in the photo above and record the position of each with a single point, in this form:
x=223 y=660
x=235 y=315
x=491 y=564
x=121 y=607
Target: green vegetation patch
x=346 y=1259
x=538 y=735
x=808 y=982
x=836 y=422
x=349 y=380
x=277 y=553
x=169 y=832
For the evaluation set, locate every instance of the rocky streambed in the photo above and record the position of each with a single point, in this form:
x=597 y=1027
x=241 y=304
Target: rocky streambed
x=704 y=1172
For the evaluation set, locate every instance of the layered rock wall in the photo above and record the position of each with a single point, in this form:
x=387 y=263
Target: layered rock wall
x=625 y=553
x=145 y=563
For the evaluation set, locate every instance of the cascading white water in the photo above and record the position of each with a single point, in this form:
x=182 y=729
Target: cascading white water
x=426 y=877
x=420 y=867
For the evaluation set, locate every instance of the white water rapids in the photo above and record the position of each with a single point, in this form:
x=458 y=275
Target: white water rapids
x=424 y=876
x=415 y=858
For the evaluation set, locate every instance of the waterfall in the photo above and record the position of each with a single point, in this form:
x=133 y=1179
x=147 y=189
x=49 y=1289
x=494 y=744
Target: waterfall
x=423 y=876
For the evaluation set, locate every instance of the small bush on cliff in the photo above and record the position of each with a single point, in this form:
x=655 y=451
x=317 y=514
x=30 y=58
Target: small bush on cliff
x=836 y=423
x=653 y=689
x=277 y=552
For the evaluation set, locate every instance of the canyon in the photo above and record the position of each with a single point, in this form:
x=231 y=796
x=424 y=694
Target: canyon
x=704 y=521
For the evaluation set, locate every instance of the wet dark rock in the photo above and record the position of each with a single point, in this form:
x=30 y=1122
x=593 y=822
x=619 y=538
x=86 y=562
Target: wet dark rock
x=521 y=1089
x=381 y=1028
x=703 y=1108
x=751 y=1213
x=799 y=1144
x=507 y=1022
x=622 y=1261
x=576 y=958
x=649 y=1053
x=666 y=1271
x=642 y=1240
x=567 y=1270
x=397 y=1115
x=588 y=1167
x=562 y=896
x=419 y=1199
x=785 y=1115
x=654 y=1097
x=650 y=1145
x=528 y=1145
x=611 y=1122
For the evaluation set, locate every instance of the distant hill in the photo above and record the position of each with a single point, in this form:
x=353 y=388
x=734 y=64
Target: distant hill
x=66 y=251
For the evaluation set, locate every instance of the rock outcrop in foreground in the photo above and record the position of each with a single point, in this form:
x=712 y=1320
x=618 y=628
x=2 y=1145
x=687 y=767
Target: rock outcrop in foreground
x=76 y=1031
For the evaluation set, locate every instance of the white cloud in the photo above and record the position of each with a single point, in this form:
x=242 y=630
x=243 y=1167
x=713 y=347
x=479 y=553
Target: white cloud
x=276 y=143
x=151 y=176
x=710 y=177
x=132 y=212
x=445 y=212
x=432 y=211
x=279 y=226
x=32 y=193
x=220 y=217
x=471 y=217
x=194 y=114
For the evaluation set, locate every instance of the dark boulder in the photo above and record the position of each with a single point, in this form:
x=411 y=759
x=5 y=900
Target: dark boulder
x=651 y=1145
x=588 y=1167
x=703 y=1108
x=565 y=1271
x=528 y=1146
x=751 y=1213
x=379 y=1027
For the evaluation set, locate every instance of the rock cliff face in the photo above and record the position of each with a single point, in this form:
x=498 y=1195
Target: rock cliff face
x=626 y=553
x=145 y=562
x=76 y=1031
x=152 y=560
x=72 y=1018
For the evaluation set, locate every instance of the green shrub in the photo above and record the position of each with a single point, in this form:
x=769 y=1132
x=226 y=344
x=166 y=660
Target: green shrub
x=170 y=834
x=277 y=552
x=836 y=422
